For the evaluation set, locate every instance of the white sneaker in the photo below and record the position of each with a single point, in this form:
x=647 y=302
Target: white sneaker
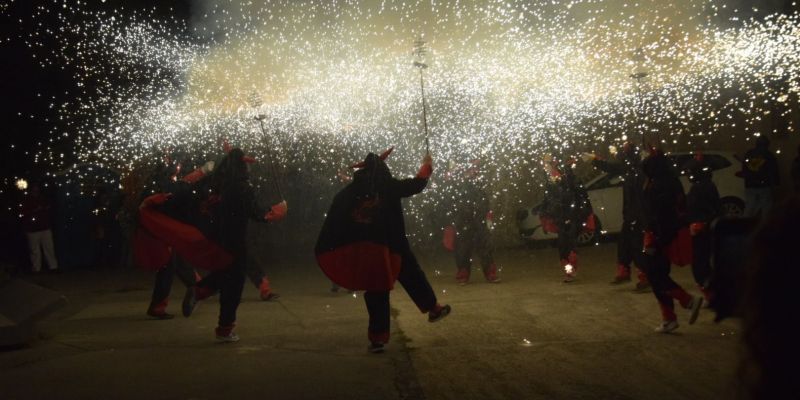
x=667 y=326
x=229 y=338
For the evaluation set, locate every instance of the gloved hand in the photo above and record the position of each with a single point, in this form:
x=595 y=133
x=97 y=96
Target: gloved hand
x=649 y=243
x=426 y=169
x=696 y=227
x=208 y=166
x=588 y=157
x=277 y=211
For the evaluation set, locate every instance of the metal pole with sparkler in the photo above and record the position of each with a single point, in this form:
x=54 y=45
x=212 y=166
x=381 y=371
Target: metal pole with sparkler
x=419 y=52
x=638 y=75
x=255 y=103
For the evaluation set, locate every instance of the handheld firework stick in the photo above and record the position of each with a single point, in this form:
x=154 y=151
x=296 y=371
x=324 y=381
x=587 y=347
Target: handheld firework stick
x=638 y=77
x=419 y=52
x=270 y=163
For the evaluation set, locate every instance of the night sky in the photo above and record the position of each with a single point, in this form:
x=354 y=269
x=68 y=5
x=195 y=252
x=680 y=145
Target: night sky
x=29 y=90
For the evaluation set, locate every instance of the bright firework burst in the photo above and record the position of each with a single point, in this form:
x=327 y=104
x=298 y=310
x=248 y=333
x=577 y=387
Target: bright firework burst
x=507 y=80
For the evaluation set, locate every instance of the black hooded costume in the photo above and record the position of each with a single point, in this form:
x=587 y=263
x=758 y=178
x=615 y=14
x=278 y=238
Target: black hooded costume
x=363 y=244
x=566 y=207
x=703 y=207
x=205 y=222
x=472 y=215
x=666 y=232
x=629 y=243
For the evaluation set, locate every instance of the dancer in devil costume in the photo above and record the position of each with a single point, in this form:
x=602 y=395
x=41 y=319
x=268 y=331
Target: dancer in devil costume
x=236 y=205
x=209 y=235
x=472 y=222
x=566 y=210
x=703 y=206
x=666 y=239
x=363 y=244
x=165 y=180
x=629 y=243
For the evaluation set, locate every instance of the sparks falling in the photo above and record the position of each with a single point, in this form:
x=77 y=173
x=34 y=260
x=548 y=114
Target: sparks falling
x=507 y=81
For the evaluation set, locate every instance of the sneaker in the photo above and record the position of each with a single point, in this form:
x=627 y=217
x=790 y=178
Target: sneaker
x=375 y=348
x=438 y=312
x=697 y=303
x=226 y=334
x=491 y=274
x=189 y=301
x=462 y=277
x=623 y=275
x=269 y=296
x=667 y=326
x=231 y=337
x=159 y=315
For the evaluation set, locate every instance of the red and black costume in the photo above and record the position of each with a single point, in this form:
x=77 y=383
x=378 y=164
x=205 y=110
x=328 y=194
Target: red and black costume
x=629 y=242
x=471 y=220
x=363 y=244
x=206 y=224
x=703 y=206
x=164 y=180
x=566 y=210
x=665 y=237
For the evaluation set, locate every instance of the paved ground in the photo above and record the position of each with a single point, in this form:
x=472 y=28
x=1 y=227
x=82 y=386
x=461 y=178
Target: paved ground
x=530 y=337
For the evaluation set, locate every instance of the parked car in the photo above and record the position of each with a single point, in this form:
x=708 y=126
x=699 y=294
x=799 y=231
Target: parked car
x=605 y=194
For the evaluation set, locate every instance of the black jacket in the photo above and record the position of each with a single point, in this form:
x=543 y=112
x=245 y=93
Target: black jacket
x=702 y=202
x=566 y=201
x=470 y=206
x=369 y=209
x=760 y=168
x=630 y=168
x=664 y=203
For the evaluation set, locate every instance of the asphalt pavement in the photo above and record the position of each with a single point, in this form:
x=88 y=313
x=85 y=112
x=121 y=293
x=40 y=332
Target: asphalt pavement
x=529 y=337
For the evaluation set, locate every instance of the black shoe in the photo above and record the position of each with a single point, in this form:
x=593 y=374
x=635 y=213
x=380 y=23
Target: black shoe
x=694 y=307
x=269 y=297
x=161 y=315
x=439 y=314
x=189 y=302
x=375 y=348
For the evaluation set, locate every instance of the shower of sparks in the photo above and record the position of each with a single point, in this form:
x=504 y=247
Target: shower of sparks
x=507 y=81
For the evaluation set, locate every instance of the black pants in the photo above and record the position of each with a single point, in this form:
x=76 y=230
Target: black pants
x=416 y=285
x=230 y=284
x=567 y=238
x=629 y=245
x=164 y=278
x=657 y=268
x=701 y=257
x=254 y=271
x=475 y=238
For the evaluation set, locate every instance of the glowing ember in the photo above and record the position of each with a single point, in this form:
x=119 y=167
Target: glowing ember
x=22 y=184
x=569 y=269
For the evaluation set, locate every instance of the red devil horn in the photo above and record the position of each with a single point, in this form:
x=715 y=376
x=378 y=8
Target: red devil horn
x=226 y=147
x=386 y=153
x=358 y=165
